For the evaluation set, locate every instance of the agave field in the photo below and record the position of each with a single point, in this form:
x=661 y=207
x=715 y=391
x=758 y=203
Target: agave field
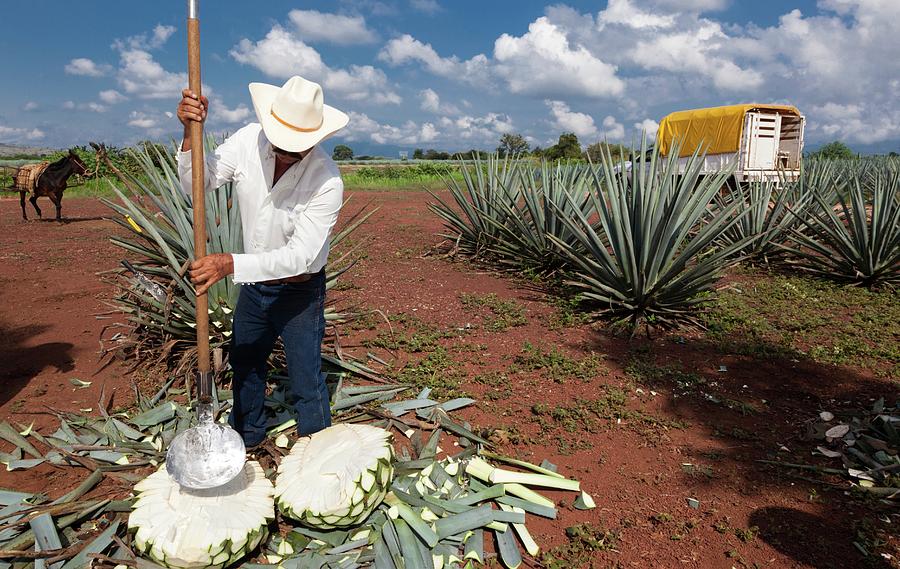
x=530 y=364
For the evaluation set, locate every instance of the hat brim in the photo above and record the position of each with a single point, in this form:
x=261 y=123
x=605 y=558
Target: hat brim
x=285 y=137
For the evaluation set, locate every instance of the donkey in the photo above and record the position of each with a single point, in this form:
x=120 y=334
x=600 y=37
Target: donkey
x=52 y=183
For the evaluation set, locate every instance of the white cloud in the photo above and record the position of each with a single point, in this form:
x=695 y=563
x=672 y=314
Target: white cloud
x=86 y=67
x=361 y=83
x=431 y=102
x=544 y=63
x=649 y=126
x=473 y=131
x=92 y=106
x=30 y=106
x=694 y=52
x=112 y=97
x=333 y=28
x=569 y=121
x=426 y=6
x=625 y=13
x=428 y=132
x=281 y=55
x=406 y=49
x=141 y=75
x=612 y=129
x=14 y=134
x=362 y=127
x=155 y=40
x=485 y=129
x=141 y=120
x=231 y=116
x=691 y=6
x=161 y=35
x=856 y=122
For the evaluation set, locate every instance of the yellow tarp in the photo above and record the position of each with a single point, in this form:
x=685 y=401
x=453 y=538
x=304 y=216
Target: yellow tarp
x=715 y=130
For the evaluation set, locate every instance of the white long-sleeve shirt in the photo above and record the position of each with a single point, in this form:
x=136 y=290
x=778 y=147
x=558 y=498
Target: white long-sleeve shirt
x=286 y=228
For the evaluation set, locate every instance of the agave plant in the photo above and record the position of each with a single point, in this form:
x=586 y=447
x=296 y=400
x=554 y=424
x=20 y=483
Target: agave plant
x=772 y=213
x=158 y=217
x=647 y=260
x=857 y=239
x=523 y=242
x=484 y=203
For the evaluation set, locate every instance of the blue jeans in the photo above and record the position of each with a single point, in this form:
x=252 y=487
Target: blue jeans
x=296 y=313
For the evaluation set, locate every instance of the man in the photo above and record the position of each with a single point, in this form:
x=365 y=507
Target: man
x=289 y=191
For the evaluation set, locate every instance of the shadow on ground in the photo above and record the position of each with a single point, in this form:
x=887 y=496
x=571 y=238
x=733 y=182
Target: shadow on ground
x=803 y=537
x=23 y=361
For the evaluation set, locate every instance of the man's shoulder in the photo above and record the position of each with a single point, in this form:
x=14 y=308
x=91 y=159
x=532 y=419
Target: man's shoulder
x=323 y=165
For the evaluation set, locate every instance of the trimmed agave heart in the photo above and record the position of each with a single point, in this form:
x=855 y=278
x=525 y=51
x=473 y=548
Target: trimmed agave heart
x=336 y=477
x=185 y=529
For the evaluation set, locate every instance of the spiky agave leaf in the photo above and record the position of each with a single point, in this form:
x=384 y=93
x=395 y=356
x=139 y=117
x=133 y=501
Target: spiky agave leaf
x=856 y=240
x=771 y=214
x=647 y=260
x=523 y=241
x=482 y=203
x=159 y=219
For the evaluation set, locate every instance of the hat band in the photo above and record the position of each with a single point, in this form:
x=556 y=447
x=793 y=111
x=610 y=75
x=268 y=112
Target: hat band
x=297 y=128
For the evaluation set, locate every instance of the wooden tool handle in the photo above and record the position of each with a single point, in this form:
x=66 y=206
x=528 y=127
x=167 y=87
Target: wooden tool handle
x=198 y=185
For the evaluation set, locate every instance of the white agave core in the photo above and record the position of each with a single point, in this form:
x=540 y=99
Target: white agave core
x=187 y=528
x=322 y=472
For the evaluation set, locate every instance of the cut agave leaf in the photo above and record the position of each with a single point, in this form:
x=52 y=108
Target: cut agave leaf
x=584 y=502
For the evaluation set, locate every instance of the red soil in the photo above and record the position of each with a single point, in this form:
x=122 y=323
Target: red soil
x=636 y=475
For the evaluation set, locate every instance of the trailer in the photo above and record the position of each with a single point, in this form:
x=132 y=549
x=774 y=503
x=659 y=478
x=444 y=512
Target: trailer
x=763 y=142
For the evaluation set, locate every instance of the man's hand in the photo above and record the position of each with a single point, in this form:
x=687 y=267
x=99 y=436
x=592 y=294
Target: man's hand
x=191 y=109
x=209 y=270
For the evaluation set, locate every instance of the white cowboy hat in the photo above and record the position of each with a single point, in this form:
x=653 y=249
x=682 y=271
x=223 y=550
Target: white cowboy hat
x=294 y=116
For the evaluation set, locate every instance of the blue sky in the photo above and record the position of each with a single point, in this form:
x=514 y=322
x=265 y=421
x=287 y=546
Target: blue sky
x=453 y=75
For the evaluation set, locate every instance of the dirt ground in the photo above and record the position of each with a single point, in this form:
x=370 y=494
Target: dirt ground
x=674 y=472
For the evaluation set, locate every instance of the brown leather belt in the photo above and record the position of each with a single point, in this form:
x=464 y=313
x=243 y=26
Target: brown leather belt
x=290 y=280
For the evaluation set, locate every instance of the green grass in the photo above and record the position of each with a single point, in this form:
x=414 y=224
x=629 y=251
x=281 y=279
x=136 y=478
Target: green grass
x=438 y=371
x=503 y=313
x=353 y=182
x=643 y=369
x=567 y=313
x=584 y=540
x=99 y=188
x=498 y=384
x=91 y=188
x=411 y=335
x=557 y=366
x=410 y=177
x=582 y=417
x=772 y=315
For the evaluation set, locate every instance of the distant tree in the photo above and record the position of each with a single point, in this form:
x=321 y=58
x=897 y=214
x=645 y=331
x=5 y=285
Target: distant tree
x=836 y=150
x=418 y=154
x=567 y=148
x=512 y=144
x=432 y=154
x=598 y=149
x=893 y=154
x=342 y=152
x=472 y=154
x=537 y=152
